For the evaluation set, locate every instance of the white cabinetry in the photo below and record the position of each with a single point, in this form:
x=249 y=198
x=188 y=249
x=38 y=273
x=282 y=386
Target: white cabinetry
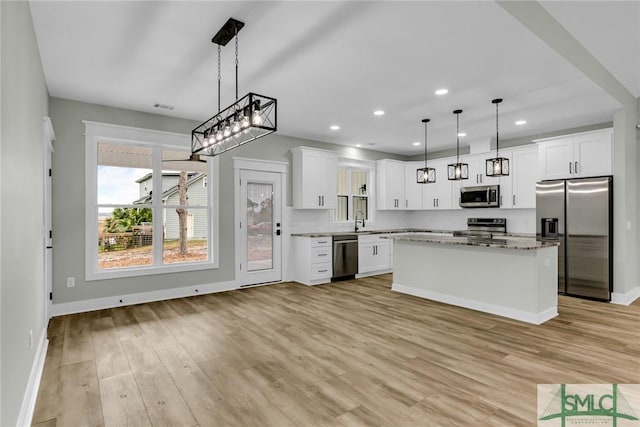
x=524 y=167
x=314 y=178
x=374 y=254
x=412 y=190
x=390 y=177
x=312 y=259
x=576 y=156
x=438 y=195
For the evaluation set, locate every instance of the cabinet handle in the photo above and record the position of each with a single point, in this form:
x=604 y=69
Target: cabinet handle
x=575 y=167
x=437 y=203
x=322 y=200
x=514 y=200
x=434 y=203
x=323 y=254
x=480 y=178
x=570 y=168
x=406 y=203
x=322 y=271
x=500 y=200
x=319 y=201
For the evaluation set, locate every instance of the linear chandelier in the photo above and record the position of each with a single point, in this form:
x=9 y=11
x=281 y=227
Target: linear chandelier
x=248 y=118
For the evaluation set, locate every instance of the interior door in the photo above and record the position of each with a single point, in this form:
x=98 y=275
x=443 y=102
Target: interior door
x=260 y=228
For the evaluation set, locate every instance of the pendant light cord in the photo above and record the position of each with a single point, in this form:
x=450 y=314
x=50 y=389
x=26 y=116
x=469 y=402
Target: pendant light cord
x=219 y=78
x=457 y=137
x=497 y=136
x=236 y=63
x=425 y=145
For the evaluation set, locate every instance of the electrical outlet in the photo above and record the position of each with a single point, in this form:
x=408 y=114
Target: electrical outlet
x=71 y=282
x=30 y=340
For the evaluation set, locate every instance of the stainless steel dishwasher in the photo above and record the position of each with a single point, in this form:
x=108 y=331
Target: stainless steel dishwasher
x=345 y=256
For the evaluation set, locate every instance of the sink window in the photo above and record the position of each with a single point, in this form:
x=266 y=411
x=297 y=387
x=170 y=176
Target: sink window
x=353 y=194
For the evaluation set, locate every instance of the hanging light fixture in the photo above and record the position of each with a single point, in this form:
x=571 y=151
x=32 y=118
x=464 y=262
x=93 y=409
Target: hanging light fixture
x=426 y=175
x=498 y=166
x=457 y=170
x=248 y=118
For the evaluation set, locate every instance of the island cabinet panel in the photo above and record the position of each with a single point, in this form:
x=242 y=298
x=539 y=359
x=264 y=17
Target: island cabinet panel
x=314 y=178
x=520 y=284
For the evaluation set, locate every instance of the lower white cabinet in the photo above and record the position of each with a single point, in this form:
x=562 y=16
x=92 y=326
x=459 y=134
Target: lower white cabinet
x=312 y=259
x=374 y=254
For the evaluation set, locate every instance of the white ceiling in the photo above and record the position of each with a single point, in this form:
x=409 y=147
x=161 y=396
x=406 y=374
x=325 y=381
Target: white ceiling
x=336 y=62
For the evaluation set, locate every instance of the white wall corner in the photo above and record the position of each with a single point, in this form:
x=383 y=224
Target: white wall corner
x=625 y=298
x=25 y=416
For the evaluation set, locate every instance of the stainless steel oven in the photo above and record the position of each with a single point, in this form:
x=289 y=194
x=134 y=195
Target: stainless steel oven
x=481 y=196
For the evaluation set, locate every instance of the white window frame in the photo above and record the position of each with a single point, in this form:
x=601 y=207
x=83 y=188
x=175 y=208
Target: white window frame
x=370 y=167
x=96 y=133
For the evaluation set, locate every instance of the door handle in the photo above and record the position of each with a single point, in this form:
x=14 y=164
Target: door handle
x=570 y=168
x=277 y=232
x=575 y=167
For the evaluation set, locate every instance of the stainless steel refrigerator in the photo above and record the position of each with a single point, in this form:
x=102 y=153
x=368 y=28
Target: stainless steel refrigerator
x=579 y=214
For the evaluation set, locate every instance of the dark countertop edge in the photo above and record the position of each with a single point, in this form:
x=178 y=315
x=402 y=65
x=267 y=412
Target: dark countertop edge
x=393 y=231
x=524 y=244
x=365 y=232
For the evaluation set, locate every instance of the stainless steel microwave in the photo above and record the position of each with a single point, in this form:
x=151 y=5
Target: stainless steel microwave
x=481 y=196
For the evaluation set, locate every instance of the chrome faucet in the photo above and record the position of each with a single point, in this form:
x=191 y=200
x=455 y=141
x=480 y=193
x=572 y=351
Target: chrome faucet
x=362 y=220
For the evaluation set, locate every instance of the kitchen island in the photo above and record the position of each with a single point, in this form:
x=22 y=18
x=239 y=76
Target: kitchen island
x=511 y=277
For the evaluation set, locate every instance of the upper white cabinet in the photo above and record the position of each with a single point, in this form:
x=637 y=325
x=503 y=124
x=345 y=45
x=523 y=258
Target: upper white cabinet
x=576 y=156
x=314 y=178
x=390 y=182
x=412 y=190
x=438 y=195
x=524 y=170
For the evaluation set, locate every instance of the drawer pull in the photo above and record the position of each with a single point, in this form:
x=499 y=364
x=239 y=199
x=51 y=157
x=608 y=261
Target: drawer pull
x=323 y=254
x=322 y=271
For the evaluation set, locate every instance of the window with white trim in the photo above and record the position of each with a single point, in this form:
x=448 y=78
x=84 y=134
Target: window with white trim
x=149 y=209
x=353 y=194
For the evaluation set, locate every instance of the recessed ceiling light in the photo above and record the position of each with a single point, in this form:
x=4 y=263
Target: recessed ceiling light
x=379 y=113
x=335 y=127
x=442 y=91
x=416 y=143
x=521 y=122
x=461 y=134
x=358 y=145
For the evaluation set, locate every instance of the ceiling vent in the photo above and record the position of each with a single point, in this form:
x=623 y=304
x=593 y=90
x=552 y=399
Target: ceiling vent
x=163 y=106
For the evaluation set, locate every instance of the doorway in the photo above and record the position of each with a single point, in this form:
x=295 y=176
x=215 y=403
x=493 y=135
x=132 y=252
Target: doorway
x=259 y=217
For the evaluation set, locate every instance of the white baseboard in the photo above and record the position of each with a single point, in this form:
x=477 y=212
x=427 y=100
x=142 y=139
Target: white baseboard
x=626 y=298
x=25 y=416
x=139 y=298
x=535 y=318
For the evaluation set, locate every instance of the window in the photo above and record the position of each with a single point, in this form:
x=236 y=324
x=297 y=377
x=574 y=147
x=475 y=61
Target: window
x=149 y=209
x=353 y=194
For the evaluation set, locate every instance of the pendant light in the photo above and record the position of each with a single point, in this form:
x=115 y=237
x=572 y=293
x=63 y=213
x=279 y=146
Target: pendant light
x=426 y=175
x=498 y=166
x=248 y=118
x=457 y=171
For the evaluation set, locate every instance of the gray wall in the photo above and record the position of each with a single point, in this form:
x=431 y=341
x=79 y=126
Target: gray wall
x=24 y=103
x=69 y=197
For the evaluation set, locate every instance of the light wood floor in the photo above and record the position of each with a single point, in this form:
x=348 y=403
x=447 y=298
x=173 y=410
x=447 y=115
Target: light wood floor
x=347 y=354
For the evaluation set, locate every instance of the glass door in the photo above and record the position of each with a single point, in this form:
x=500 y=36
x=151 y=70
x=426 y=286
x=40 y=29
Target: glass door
x=260 y=227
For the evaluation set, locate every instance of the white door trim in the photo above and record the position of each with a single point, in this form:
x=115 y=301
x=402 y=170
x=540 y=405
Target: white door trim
x=48 y=138
x=239 y=164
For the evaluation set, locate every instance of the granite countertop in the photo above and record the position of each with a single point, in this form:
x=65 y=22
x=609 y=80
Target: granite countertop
x=363 y=232
x=526 y=243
